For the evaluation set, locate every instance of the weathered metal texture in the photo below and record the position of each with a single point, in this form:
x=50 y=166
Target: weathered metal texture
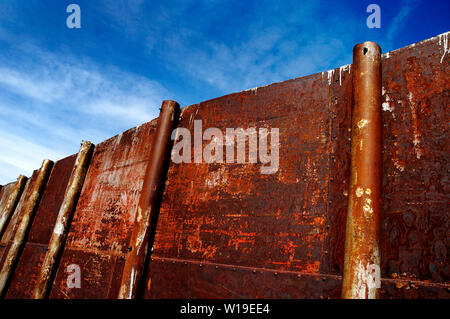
x=7 y=209
x=60 y=230
x=26 y=218
x=340 y=101
x=5 y=194
x=415 y=235
x=263 y=231
x=362 y=253
x=28 y=268
x=104 y=217
x=174 y=278
x=231 y=214
x=148 y=207
x=10 y=230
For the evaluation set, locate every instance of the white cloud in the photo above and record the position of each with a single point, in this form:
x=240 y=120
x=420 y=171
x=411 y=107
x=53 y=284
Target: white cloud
x=50 y=102
x=397 y=23
x=22 y=155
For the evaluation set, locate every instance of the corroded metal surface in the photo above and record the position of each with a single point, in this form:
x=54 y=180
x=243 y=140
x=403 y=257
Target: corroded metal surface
x=62 y=224
x=7 y=208
x=225 y=230
x=105 y=214
x=415 y=236
x=231 y=214
x=362 y=254
x=174 y=278
x=28 y=268
x=10 y=230
x=148 y=207
x=26 y=218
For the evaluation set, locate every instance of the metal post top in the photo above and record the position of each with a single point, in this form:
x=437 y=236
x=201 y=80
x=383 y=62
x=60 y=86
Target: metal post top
x=367 y=48
x=170 y=103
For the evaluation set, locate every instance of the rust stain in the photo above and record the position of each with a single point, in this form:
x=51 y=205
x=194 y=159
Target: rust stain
x=56 y=244
x=29 y=209
x=225 y=230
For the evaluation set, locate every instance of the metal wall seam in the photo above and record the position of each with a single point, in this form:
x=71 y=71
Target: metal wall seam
x=61 y=228
x=13 y=199
x=149 y=201
x=32 y=202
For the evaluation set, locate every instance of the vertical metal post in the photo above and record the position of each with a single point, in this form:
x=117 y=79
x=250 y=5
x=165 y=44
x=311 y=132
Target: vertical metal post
x=57 y=240
x=27 y=215
x=361 y=278
x=149 y=200
x=10 y=206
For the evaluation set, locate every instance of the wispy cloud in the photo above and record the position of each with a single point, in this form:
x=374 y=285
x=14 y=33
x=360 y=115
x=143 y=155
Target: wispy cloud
x=195 y=39
x=398 y=22
x=51 y=102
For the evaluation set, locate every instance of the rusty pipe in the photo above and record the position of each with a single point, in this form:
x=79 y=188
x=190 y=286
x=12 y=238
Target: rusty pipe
x=61 y=228
x=361 y=278
x=27 y=215
x=10 y=206
x=148 y=207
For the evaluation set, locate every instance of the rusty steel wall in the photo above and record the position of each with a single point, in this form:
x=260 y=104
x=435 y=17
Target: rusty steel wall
x=415 y=235
x=231 y=215
x=27 y=270
x=8 y=235
x=228 y=231
x=104 y=217
x=232 y=227
x=5 y=193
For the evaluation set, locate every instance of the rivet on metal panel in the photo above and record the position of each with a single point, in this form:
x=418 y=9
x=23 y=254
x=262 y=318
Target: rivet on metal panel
x=134 y=272
x=57 y=240
x=27 y=216
x=10 y=206
x=363 y=212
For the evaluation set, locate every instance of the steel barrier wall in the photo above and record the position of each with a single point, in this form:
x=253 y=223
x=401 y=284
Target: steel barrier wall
x=228 y=231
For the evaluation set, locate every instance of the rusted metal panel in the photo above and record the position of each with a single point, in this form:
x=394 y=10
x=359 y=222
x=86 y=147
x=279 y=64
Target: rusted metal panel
x=8 y=207
x=231 y=214
x=340 y=101
x=291 y=223
x=186 y=279
x=173 y=278
x=61 y=228
x=362 y=254
x=96 y=268
x=415 y=236
x=5 y=193
x=26 y=272
x=405 y=289
x=29 y=209
x=8 y=234
x=149 y=202
x=105 y=214
x=30 y=262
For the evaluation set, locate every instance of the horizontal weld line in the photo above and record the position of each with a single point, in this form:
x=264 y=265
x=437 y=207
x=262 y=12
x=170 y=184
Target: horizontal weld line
x=247 y=268
x=104 y=253
x=417 y=282
x=338 y=277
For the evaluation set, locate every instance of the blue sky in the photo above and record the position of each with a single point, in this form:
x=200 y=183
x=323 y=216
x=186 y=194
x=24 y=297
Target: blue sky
x=59 y=86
